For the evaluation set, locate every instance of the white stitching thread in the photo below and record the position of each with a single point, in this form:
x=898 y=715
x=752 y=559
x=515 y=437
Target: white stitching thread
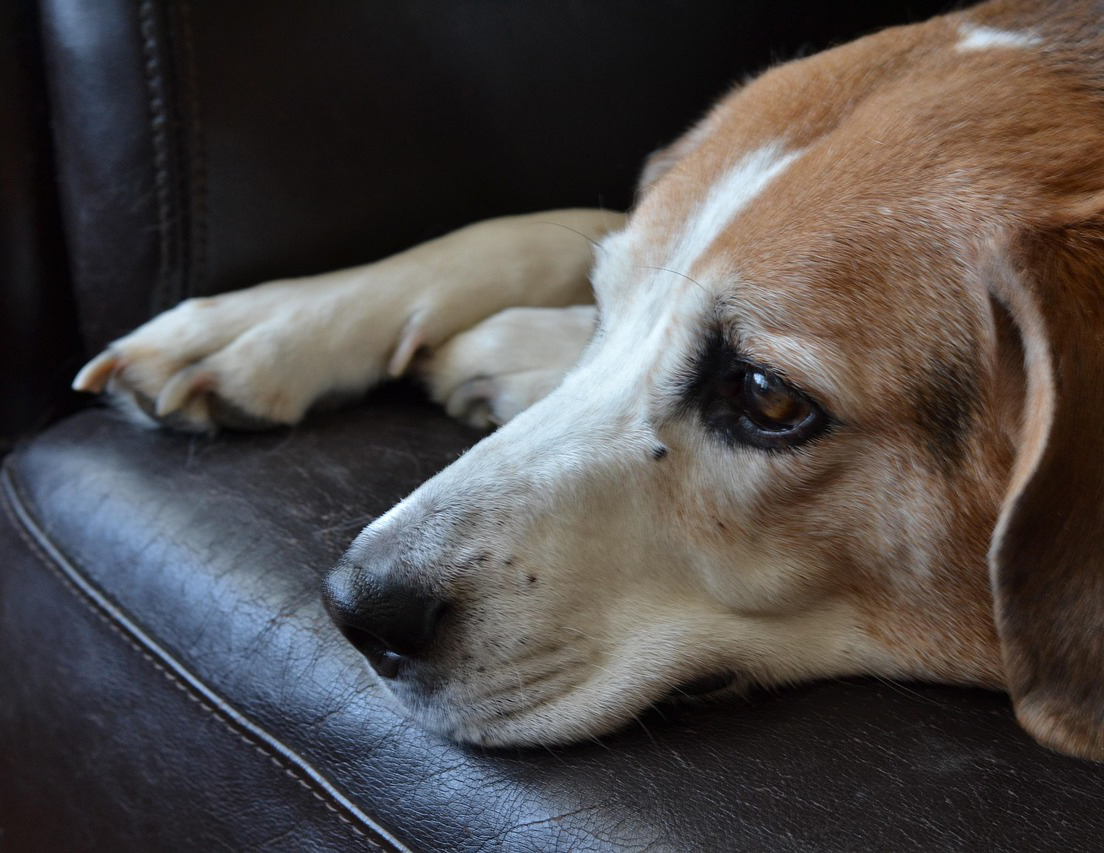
x=36 y=549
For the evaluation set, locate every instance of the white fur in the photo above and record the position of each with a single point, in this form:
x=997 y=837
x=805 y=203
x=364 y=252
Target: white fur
x=490 y=373
x=626 y=601
x=273 y=350
x=738 y=188
x=588 y=594
x=986 y=38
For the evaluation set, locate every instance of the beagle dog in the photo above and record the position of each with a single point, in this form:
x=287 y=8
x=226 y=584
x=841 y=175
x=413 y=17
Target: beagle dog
x=835 y=406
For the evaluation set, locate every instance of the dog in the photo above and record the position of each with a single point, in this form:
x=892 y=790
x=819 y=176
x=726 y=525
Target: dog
x=835 y=406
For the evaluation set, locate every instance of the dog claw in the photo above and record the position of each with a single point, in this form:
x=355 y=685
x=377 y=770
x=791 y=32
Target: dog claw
x=472 y=402
x=95 y=375
x=411 y=339
x=184 y=385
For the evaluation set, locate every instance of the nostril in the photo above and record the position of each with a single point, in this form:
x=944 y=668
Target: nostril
x=403 y=621
x=388 y=621
x=384 y=661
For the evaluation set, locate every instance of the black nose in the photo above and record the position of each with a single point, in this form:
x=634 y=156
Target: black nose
x=388 y=621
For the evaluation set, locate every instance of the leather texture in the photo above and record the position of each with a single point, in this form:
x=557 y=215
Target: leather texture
x=137 y=759
x=165 y=645
x=168 y=677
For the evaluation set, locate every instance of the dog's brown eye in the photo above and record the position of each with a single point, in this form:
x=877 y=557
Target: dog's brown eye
x=751 y=405
x=771 y=405
x=757 y=407
x=748 y=404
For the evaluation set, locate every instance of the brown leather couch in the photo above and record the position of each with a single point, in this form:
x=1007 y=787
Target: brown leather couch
x=168 y=678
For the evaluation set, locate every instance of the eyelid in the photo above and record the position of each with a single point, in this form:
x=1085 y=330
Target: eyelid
x=781 y=376
x=801 y=362
x=708 y=393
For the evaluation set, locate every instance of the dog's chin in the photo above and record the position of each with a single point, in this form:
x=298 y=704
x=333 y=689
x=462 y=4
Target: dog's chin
x=576 y=715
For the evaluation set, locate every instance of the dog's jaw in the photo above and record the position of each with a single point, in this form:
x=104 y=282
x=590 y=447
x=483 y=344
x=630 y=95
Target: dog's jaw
x=836 y=221
x=589 y=576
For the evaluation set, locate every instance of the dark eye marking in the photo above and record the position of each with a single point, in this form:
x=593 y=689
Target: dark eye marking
x=945 y=402
x=746 y=403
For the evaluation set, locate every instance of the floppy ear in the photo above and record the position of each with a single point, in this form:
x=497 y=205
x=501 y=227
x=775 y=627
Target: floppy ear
x=662 y=160
x=657 y=164
x=1047 y=554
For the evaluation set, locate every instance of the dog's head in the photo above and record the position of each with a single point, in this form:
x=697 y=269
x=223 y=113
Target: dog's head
x=841 y=414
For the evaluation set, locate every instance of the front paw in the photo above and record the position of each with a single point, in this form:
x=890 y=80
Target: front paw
x=258 y=357
x=206 y=363
x=489 y=374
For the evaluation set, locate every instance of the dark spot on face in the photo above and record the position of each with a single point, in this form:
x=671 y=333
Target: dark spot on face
x=659 y=452
x=509 y=561
x=945 y=400
x=532 y=579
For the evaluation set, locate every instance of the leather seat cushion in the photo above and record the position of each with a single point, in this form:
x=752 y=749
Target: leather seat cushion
x=161 y=626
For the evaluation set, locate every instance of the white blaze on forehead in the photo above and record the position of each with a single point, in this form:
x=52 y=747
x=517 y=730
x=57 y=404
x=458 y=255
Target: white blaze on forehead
x=983 y=38
x=741 y=185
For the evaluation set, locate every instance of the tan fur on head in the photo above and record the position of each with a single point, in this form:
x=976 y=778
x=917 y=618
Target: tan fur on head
x=906 y=234
x=1000 y=141
x=898 y=229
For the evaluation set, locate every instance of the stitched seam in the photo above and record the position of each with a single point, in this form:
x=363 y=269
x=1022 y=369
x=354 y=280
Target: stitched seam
x=45 y=559
x=159 y=128
x=198 y=151
x=52 y=567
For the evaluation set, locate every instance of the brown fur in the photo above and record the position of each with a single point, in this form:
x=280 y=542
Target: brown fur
x=915 y=242
x=920 y=162
x=1048 y=561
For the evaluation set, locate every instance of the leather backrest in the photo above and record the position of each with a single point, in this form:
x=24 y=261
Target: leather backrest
x=39 y=346
x=204 y=146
